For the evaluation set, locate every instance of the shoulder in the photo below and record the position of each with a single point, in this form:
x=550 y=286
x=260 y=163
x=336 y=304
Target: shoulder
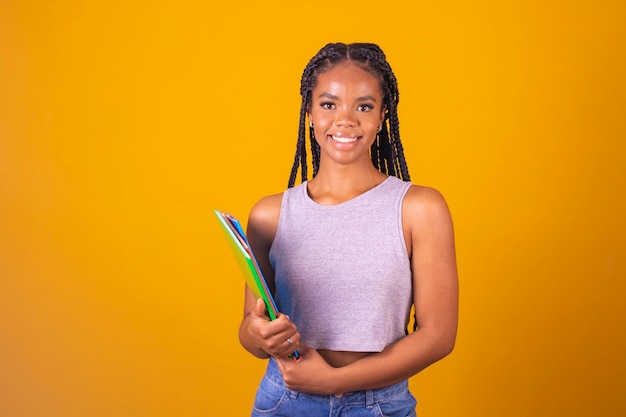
x=263 y=218
x=266 y=207
x=424 y=206
x=424 y=197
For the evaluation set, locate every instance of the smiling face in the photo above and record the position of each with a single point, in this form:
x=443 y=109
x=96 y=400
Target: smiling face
x=346 y=111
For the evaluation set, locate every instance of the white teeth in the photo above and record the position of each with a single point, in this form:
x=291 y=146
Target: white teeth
x=344 y=140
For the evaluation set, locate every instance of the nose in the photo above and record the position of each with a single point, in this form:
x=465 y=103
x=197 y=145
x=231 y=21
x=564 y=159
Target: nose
x=345 y=118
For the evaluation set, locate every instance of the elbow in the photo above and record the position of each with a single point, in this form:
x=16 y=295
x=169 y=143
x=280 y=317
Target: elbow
x=447 y=347
x=444 y=337
x=444 y=345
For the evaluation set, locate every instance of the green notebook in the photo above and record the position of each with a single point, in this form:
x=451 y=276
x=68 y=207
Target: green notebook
x=247 y=262
x=238 y=242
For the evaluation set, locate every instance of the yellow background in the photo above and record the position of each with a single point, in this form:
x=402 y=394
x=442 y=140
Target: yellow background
x=123 y=124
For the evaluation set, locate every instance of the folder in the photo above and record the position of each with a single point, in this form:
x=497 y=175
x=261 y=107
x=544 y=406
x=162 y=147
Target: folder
x=248 y=264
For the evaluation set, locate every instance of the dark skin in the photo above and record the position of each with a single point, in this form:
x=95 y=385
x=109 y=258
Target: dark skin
x=346 y=111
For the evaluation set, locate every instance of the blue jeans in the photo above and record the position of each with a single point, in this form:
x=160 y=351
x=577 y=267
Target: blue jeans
x=273 y=398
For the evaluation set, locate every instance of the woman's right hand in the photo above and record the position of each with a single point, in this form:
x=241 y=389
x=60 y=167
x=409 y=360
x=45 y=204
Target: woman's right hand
x=277 y=338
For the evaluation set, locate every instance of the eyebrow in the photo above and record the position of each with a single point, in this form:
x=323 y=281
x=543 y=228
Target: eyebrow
x=334 y=97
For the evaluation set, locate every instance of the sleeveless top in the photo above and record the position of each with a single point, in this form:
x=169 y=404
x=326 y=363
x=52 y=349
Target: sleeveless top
x=342 y=272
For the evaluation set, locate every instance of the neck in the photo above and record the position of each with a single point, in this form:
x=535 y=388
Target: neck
x=334 y=185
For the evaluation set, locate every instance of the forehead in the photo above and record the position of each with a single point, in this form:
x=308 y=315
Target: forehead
x=347 y=78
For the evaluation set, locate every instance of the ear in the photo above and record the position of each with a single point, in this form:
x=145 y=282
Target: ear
x=383 y=115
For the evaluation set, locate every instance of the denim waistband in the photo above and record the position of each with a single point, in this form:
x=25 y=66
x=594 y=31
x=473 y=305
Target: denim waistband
x=367 y=397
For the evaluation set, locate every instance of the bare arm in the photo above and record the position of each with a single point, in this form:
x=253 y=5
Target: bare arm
x=257 y=334
x=430 y=237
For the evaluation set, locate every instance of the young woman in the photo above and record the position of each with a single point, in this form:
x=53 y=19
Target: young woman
x=348 y=253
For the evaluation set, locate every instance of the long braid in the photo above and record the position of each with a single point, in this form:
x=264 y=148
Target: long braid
x=386 y=153
x=300 y=157
x=375 y=153
x=315 y=152
x=302 y=142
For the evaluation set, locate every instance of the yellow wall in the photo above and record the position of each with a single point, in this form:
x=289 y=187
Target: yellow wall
x=123 y=124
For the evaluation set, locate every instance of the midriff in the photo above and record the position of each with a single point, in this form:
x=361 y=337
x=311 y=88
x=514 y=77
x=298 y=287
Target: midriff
x=338 y=359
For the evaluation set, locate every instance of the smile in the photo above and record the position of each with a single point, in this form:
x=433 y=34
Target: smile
x=344 y=140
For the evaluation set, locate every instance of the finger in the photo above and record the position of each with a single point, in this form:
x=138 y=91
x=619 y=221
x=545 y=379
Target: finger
x=284 y=320
x=289 y=325
x=259 y=308
x=294 y=345
x=281 y=345
x=282 y=328
x=291 y=343
x=288 y=338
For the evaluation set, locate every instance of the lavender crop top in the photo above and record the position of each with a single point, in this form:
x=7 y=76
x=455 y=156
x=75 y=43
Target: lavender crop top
x=342 y=272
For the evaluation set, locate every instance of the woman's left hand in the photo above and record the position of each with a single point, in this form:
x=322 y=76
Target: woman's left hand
x=310 y=374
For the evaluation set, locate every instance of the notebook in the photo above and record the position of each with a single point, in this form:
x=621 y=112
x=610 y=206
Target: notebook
x=248 y=264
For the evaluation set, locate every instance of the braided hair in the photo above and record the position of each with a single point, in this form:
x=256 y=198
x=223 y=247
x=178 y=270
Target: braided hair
x=386 y=152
